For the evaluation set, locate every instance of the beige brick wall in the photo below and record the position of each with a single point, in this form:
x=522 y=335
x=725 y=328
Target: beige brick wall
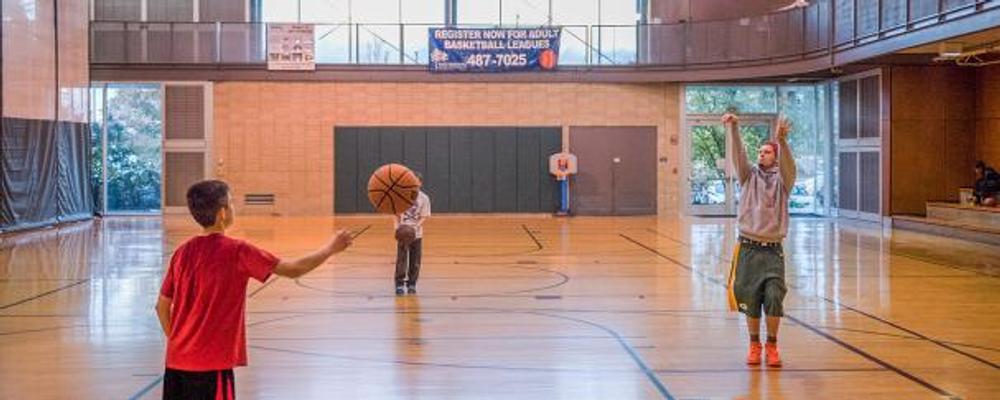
x=277 y=137
x=988 y=115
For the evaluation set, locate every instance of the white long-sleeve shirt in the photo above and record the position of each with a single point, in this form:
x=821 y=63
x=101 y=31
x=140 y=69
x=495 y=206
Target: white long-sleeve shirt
x=416 y=215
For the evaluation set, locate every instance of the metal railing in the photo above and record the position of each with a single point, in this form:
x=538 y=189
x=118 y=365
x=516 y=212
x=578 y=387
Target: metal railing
x=812 y=31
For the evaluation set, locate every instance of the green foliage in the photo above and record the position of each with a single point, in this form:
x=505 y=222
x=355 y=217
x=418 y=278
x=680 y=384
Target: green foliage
x=133 y=149
x=801 y=104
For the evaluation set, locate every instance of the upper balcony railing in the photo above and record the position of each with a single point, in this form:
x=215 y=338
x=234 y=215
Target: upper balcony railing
x=823 y=27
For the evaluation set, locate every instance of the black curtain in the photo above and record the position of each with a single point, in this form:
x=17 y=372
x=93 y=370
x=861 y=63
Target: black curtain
x=43 y=173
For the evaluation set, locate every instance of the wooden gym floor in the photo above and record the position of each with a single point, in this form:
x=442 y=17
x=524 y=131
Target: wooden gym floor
x=516 y=308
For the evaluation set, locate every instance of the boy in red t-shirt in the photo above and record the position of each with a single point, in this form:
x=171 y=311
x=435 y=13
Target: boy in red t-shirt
x=203 y=299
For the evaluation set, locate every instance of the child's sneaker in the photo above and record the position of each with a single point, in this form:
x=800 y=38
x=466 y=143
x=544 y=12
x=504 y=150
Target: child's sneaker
x=411 y=290
x=773 y=359
x=753 y=357
x=399 y=290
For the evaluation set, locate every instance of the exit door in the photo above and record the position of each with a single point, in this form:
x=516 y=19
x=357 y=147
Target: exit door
x=617 y=170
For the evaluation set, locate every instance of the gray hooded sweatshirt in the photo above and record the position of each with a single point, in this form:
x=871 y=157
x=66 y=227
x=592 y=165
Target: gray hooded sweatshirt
x=764 y=192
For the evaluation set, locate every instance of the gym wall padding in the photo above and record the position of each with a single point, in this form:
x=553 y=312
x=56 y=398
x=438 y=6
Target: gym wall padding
x=43 y=173
x=465 y=169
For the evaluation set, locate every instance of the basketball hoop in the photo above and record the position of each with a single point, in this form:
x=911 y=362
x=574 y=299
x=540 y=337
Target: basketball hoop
x=562 y=165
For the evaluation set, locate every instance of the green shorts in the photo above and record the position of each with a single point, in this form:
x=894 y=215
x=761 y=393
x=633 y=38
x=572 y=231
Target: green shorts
x=757 y=279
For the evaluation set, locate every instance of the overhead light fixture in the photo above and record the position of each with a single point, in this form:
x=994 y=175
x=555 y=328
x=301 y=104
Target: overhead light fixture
x=975 y=56
x=950 y=49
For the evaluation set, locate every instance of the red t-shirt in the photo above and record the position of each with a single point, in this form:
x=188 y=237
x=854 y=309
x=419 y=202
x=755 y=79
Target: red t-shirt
x=207 y=282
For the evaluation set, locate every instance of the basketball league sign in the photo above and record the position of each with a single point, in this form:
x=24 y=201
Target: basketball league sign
x=493 y=50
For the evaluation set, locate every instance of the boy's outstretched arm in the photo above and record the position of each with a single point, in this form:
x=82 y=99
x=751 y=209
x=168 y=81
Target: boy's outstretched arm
x=300 y=266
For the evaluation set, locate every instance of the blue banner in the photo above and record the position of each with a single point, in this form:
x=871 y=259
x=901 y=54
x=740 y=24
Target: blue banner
x=494 y=50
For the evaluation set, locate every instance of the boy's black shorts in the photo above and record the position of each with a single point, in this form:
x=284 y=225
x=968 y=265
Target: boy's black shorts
x=199 y=385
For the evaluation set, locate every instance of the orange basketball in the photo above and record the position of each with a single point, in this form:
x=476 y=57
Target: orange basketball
x=393 y=189
x=406 y=234
x=547 y=60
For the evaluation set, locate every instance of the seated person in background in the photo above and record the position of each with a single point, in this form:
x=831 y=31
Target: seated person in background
x=987 y=187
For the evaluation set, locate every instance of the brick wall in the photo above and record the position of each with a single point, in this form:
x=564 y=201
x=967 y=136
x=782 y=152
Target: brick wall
x=277 y=137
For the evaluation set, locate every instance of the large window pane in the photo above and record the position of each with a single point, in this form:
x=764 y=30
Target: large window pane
x=799 y=105
x=423 y=11
x=96 y=144
x=378 y=44
x=324 y=11
x=573 y=46
x=574 y=12
x=419 y=15
x=618 y=12
x=525 y=12
x=807 y=108
x=485 y=12
x=375 y=11
x=708 y=158
x=615 y=44
x=742 y=99
x=332 y=43
x=133 y=153
x=415 y=43
x=280 y=10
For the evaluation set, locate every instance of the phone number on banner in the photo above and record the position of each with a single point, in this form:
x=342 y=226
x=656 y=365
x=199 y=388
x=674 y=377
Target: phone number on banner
x=497 y=60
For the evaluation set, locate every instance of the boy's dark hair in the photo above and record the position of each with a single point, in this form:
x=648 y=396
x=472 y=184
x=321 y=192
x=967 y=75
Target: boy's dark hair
x=981 y=165
x=205 y=199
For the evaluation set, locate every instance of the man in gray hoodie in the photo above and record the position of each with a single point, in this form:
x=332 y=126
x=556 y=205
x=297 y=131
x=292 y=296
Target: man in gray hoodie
x=757 y=275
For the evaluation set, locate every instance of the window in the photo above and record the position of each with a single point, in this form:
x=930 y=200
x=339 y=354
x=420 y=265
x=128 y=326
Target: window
x=525 y=12
x=423 y=12
x=324 y=11
x=479 y=12
x=719 y=99
x=279 y=11
x=574 y=12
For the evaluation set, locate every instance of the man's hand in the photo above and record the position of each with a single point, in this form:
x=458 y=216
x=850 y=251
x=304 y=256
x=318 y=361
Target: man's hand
x=784 y=126
x=730 y=119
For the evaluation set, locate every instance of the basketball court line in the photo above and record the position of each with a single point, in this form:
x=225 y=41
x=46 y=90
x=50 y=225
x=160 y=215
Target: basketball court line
x=764 y=370
x=916 y=334
x=43 y=294
x=612 y=334
x=872 y=358
x=912 y=332
x=387 y=309
x=533 y=238
x=817 y=331
x=861 y=246
x=525 y=369
x=654 y=380
x=562 y=280
x=898 y=336
x=276 y=277
x=40 y=279
x=146 y=389
x=632 y=352
x=441 y=338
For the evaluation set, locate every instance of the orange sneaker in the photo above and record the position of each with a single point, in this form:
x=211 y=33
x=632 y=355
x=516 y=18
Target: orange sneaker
x=773 y=359
x=753 y=357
